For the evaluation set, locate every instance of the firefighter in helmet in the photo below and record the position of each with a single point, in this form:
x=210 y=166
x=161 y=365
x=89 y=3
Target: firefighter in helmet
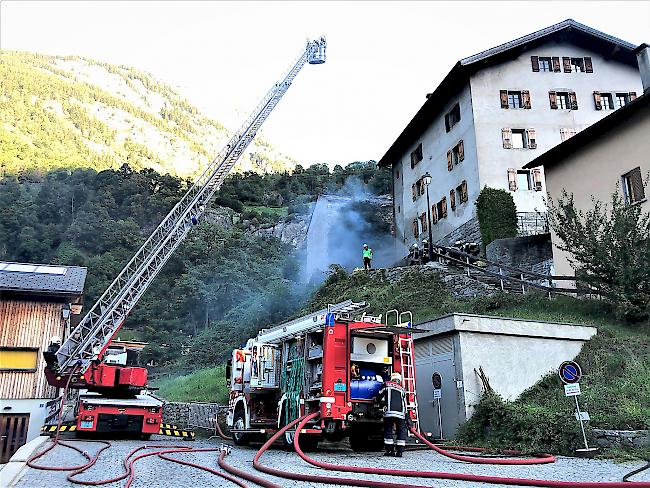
x=50 y=354
x=393 y=396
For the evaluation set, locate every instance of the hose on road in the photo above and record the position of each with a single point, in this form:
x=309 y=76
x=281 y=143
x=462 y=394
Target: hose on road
x=450 y=476
x=129 y=472
x=311 y=477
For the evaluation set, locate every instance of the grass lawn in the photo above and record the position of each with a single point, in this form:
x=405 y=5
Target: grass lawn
x=280 y=212
x=205 y=385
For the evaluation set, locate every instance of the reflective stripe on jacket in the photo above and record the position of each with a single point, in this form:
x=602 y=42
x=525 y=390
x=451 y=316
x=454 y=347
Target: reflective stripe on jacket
x=394 y=397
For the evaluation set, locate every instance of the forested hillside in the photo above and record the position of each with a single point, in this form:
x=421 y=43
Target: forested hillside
x=72 y=112
x=223 y=283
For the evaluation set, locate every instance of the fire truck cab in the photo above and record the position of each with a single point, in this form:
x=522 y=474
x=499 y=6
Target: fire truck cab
x=327 y=362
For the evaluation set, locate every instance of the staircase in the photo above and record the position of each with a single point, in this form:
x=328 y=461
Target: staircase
x=507 y=279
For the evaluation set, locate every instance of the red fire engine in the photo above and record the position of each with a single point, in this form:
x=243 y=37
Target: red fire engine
x=326 y=362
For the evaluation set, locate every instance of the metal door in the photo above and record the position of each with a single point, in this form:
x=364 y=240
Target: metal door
x=13 y=434
x=436 y=355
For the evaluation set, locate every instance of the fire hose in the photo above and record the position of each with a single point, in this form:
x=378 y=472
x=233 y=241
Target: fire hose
x=445 y=475
x=129 y=472
x=312 y=477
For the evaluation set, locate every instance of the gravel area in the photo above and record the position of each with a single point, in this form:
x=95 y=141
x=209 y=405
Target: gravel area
x=155 y=472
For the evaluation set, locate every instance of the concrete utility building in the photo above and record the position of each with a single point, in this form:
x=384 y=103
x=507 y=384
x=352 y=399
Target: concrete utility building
x=496 y=111
x=37 y=301
x=612 y=153
x=513 y=353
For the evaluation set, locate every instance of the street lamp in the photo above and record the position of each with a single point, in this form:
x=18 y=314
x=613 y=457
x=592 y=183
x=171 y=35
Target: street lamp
x=426 y=178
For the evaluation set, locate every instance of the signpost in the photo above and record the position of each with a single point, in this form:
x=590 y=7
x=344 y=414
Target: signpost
x=570 y=374
x=436 y=380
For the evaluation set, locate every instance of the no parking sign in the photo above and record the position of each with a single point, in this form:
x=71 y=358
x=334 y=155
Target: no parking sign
x=570 y=372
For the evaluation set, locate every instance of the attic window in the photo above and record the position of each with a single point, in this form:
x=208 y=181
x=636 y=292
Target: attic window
x=545 y=64
x=578 y=65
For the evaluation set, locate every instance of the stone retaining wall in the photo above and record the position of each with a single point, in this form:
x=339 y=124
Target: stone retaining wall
x=625 y=438
x=177 y=413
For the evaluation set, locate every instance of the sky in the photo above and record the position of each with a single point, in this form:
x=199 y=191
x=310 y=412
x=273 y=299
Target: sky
x=382 y=57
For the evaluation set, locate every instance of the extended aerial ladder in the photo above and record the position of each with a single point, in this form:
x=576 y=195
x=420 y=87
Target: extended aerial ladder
x=80 y=355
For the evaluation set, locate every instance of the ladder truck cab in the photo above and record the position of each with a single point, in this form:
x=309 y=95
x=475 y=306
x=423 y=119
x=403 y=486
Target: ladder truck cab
x=326 y=362
x=116 y=397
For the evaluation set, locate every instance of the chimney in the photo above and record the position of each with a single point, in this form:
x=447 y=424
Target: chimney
x=643 y=58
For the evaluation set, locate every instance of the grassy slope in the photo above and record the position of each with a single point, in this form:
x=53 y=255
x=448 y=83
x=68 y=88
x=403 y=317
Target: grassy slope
x=616 y=383
x=206 y=385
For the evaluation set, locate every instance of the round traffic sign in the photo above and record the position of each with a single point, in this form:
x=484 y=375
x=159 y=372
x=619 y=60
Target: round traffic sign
x=436 y=379
x=570 y=372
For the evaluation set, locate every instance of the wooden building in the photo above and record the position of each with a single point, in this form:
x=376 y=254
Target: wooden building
x=37 y=302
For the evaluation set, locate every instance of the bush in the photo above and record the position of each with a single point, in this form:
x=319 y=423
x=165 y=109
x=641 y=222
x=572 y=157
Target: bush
x=497 y=215
x=610 y=249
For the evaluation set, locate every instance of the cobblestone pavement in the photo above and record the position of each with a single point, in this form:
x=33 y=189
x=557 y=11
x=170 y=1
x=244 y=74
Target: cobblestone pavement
x=158 y=473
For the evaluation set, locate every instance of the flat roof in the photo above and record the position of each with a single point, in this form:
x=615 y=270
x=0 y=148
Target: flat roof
x=42 y=279
x=568 y=30
x=487 y=324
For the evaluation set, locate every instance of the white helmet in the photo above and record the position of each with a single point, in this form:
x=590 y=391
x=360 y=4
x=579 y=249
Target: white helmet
x=396 y=377
x=55 y=340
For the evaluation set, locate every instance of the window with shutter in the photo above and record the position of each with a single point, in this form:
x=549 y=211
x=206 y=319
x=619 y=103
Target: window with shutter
x=597 y=102
x=416 y=232
x=423 y=220
x=450 y=161
x=512 y=179
x=443 y=203
x=532 y=139
x=461 y=150
x=552 y=98
x=566 y=62
x=463 y=194
x=589 y=67
x=452 y=117
x=452 y=199
x=506 y=136
x=537 y=179
x=414 y=191
x=632 y=96
x=573 y=101
x=503 y=94
x=633 y=189
x=534 y=61
x=416 y=156
x=556 y=64
x=434 y=215
x=422 y=186
x=525 y=97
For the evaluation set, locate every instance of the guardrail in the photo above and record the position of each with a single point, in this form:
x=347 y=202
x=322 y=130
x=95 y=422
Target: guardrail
x=520 y=277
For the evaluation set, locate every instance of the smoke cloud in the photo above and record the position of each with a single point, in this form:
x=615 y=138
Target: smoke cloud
x=341 y=224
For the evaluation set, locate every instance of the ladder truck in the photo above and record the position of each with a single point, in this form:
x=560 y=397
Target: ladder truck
x=116 y=398
x=328 y=362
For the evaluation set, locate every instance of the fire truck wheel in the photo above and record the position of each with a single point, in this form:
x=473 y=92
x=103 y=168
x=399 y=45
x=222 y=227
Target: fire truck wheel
x=362 y=441
x=308 y=443
x=145 y=437
x=239 y=422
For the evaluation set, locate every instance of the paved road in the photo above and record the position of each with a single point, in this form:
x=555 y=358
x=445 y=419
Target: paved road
x=157 y=473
